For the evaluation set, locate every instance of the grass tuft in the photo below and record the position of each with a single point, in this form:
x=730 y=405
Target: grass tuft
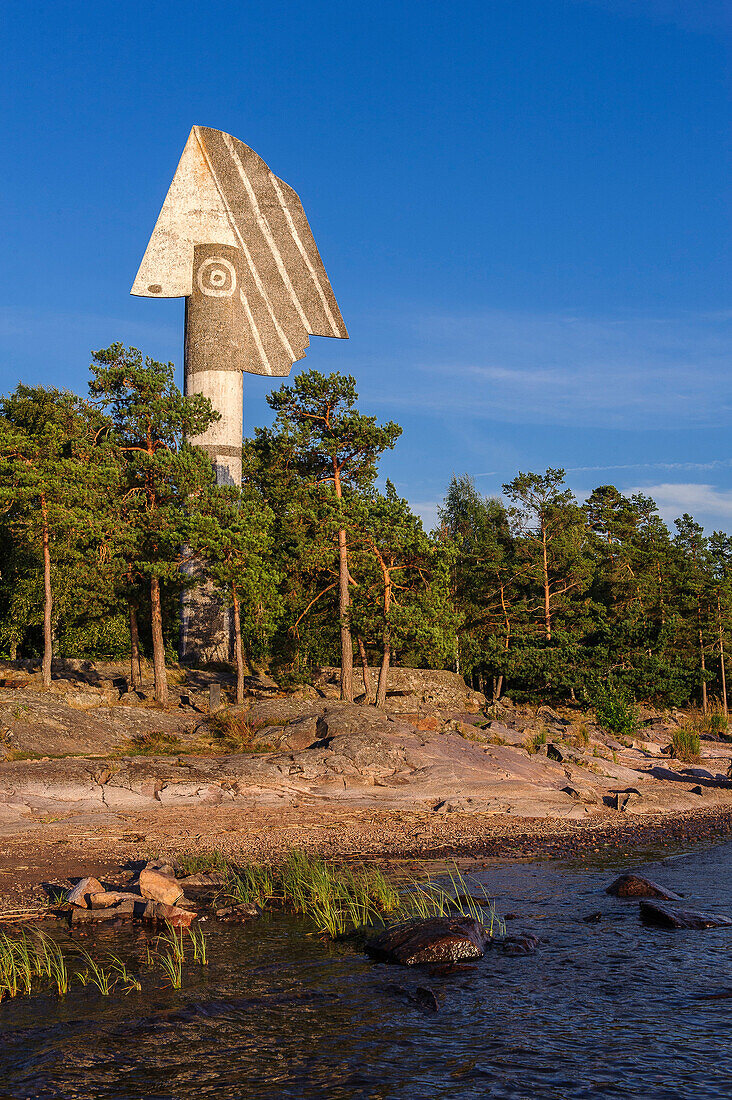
x=686 y=745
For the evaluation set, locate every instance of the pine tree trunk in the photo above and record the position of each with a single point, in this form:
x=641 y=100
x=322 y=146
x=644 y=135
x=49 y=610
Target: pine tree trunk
x=161 y=676
x=386 y=655
x=383 y=672
x=498 y=688
x=702 y=660
x=135 y=662
x=238 y=649
x=344 y=602
x=47 y=601
x=721 y=658
x=367 y=685
x=547 y=613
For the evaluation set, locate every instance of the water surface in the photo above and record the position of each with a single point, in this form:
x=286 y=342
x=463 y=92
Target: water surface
x=608 y=1009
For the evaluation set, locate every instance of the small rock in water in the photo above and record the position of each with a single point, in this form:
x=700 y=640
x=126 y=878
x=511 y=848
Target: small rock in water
x=593 y=918
x=249 y=910
x=171 y=914
x=157 y=886
x=635 y=886
x=426 y=998
x=519 y=945
x=431 y=940
x=84 y=890
x=667 y=916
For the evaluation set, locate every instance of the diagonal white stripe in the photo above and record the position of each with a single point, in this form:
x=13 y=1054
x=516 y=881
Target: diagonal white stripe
x=306 y=258
x=266 y=231
x=255 y=331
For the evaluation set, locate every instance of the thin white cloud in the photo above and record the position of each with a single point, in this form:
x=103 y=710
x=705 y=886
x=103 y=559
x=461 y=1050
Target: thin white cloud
x=714 y=464
x=710 y=506
x=562 y=369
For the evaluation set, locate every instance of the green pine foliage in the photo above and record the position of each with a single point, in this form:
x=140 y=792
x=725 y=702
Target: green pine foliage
x=108 y=509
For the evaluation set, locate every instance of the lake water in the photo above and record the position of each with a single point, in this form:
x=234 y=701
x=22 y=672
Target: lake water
x=609 y=1009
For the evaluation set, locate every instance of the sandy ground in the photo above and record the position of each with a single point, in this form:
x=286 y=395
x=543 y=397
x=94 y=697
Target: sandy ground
x=101 y=844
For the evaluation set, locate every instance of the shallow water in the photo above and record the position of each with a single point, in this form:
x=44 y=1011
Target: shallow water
x=612 y=1009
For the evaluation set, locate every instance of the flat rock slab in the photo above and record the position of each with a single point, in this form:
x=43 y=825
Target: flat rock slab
x=432 y=940
x=668 y=916
x=635 y=886
x=130 y=906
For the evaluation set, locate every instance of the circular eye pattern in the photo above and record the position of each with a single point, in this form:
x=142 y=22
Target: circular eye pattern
x=217 y=277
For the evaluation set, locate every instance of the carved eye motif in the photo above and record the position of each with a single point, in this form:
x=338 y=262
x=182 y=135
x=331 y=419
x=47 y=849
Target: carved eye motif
x=217 y=277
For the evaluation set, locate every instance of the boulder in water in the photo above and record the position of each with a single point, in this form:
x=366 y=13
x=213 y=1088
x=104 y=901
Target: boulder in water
x=430 y=940
x=636 y=886
x=519 y=945
x=668 y=916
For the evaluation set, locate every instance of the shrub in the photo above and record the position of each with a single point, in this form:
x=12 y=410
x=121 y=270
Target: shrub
x=581 y=736
x=686 y=745
x=533 y=744
x=232 y=732
x=718 y=723
x=615 y=710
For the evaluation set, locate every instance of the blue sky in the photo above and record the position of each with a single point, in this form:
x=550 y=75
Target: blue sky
x=522 y=206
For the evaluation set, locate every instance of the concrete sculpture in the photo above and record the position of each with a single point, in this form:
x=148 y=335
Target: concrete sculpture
x=233 y=239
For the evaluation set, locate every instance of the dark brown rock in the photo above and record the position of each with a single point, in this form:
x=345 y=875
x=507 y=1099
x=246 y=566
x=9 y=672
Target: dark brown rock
x=519 y=945
x=667 y=916
x=239 y=913
x=635 y=886
x=431 y=940
x=170 y=914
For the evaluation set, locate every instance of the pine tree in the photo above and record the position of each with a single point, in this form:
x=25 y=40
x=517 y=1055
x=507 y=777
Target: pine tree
x=161 y=473
x=333 y=448
x=54 y=473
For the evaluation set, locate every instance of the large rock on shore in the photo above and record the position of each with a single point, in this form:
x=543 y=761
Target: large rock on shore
x=431 y=940
x=410 y=688
x=156 y=886
x=82 y=893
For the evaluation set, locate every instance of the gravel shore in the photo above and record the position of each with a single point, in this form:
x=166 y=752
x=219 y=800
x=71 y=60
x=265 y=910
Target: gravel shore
x=53 y=854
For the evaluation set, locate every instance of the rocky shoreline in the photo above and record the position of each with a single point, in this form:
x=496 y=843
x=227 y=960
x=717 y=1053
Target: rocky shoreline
x=94 y=771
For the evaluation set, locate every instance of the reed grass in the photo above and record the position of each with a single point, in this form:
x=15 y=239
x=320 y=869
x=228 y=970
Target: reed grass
x=130 y=983
x=338 y=898
x=200 y=945
x=195 y=863
x=95 y=974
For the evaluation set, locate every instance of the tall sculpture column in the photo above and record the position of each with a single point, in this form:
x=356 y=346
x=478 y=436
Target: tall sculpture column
x=233 y=239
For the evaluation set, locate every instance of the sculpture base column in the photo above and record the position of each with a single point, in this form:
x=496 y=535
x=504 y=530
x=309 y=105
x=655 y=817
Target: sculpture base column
x=207 y=628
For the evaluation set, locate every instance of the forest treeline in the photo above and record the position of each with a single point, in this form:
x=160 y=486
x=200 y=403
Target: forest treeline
x=106 y=511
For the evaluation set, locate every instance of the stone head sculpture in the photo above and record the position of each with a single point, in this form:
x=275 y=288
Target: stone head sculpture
x=233 y=240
